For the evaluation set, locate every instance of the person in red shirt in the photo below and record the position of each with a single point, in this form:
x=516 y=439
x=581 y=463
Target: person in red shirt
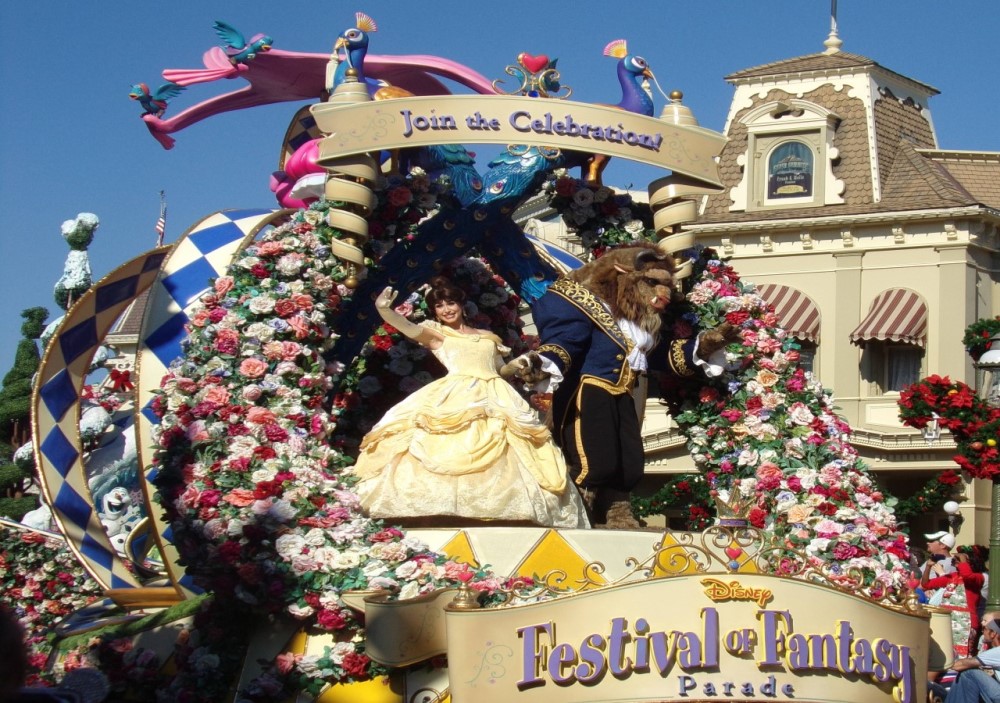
x=969 y=566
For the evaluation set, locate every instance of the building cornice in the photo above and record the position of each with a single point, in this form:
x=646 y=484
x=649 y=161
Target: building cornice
x=772 y=225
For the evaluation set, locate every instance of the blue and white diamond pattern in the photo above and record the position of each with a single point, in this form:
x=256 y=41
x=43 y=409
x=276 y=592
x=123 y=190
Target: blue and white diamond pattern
x=56 y=415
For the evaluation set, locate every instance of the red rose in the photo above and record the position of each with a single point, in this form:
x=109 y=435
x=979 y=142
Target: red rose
x=285 y=308
x=331 y=620
x=264 y=453
x=260 y=271
x=275 y=433
x=355 y=665
x=737 y=317
x=757 y=517
x=229 y=551
x=827 y=508
x=565 y=187
x=382 y=342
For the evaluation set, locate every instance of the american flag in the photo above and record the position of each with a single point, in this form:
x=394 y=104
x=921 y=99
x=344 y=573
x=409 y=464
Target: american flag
x=161 y=223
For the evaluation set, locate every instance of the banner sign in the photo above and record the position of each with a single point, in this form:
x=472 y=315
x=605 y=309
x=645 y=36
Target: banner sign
x=691 y=638
x=494 y=119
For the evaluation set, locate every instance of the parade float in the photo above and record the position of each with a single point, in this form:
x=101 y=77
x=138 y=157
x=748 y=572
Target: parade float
x=252 y=574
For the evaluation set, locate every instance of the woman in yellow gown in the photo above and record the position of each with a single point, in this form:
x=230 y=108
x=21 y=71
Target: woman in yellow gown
x=464 y=448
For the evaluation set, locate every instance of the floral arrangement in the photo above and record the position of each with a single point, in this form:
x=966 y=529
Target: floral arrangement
x=600 y=216
x=208 y=649
x=689 y=491
x=764 y=434
x=978 y=335
x=253 y=461
x=770 y=444
x=931 y=496
x=973 y=423
x=42 y=583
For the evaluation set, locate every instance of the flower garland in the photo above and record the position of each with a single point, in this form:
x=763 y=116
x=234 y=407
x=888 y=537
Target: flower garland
x=690 y=491
x=42 y=583
x=600 y=216
x=931 y=496
x=252 y=460
x=973 y=422
x=978 y=335
x=767 y=438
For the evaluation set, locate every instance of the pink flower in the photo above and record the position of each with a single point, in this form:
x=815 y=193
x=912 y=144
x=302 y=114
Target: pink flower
x=768 y=345
x=240 y=497
x=217 y=395
x=286 y=661
x=299 y=326
x=253 y=368
x=270 y=248
x=260 y=416
x=224 y=284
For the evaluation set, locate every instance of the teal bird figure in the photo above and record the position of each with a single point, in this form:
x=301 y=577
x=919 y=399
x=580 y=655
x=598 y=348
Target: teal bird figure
x=237 y=48
x=154 y=103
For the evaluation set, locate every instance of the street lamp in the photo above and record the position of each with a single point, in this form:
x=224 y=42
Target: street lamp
x=931 y=432
x=988 y=376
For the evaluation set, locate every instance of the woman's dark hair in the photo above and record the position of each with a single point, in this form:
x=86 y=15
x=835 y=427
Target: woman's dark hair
x=443 y=290
x=978 y=556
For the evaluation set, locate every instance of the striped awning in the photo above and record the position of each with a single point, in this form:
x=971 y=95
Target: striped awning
x=796 y=311
x=898 y=315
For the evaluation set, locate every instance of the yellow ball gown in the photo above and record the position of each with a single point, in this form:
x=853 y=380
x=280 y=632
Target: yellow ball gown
x=466 y=446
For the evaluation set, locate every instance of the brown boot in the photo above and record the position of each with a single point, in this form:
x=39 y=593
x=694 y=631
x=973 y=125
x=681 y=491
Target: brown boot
x=618 y=513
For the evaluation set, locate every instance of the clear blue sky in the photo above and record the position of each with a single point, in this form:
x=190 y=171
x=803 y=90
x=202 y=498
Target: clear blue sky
x=71 y=141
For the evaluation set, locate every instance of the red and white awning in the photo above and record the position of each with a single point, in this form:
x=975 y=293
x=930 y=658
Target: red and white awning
x=897 y=315
x=796 y=311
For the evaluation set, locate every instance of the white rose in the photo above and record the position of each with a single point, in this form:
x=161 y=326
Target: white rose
x=261 y=304
x=406 y=570
x=288 y=545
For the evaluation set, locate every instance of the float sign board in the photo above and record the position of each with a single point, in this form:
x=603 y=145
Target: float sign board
x=720 y=637
x=493 y=119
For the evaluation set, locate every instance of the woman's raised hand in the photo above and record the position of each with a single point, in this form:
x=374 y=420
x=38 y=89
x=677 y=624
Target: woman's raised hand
x=385 y=298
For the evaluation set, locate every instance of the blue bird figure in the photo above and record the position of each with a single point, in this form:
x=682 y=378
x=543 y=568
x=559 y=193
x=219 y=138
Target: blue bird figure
x=154 y=103
x=351 y=47
x=633 y=71
x=237 y=48
x=451 y=159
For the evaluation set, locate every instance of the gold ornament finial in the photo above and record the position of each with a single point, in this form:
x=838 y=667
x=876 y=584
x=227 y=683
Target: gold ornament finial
x=465 y=599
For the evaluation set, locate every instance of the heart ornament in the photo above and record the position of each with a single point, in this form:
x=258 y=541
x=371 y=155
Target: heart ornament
x=533 y=63
x=733 y=552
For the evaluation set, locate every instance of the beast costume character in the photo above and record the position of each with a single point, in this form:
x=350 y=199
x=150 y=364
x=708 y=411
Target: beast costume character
x=599 y=330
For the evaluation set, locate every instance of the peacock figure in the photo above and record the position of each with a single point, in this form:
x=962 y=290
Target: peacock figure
x=633 y=76
x=451 y=160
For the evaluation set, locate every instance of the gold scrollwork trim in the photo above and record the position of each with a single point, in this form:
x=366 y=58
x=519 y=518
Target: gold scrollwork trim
x=677 y=363
x=558 y=351
x=591 y=306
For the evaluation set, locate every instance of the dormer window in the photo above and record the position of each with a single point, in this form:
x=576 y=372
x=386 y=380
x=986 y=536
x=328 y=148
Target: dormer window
x=789 y=158
x=790 y=171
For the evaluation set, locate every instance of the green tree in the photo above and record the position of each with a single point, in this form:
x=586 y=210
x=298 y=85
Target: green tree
x=15 y=396
x=15 y=418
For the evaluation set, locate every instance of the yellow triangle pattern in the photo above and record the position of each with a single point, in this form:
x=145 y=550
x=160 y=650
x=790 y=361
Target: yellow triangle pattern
x=553 y=552
x=673 y=559
x=460 y=549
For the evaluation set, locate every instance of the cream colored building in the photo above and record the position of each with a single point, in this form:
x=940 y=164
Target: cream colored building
x=876 y=248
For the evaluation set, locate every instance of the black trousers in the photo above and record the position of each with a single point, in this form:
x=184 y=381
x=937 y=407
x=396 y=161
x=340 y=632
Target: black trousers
x=602 y=440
